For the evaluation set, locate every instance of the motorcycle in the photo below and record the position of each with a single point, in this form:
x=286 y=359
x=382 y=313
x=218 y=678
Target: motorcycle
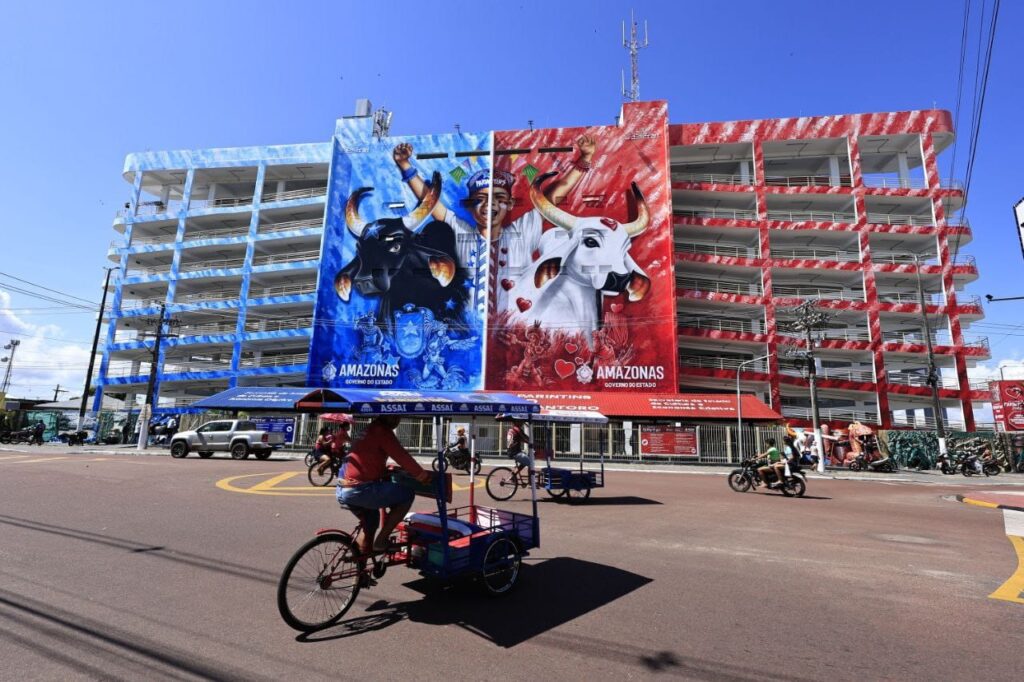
x=972 y=465
x=73 y=437
x=747 y=477
x=457 y=458
x=862 y=463
x=947 y=464
x=20 y=436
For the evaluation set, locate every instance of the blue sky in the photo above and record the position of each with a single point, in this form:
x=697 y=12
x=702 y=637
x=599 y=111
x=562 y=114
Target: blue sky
x=86 y=83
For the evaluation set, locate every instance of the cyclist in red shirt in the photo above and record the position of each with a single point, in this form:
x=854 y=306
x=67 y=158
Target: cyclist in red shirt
x=366 y=484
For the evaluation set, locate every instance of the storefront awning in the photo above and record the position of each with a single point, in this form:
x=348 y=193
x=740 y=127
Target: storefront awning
x=657 y=405
x=367 y=402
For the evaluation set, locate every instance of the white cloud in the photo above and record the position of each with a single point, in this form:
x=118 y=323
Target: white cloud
x=1011 y=369
x=42 y=359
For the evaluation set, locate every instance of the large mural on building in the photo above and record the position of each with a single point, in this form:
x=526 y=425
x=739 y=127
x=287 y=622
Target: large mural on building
x=581 y=290
x=402 y=289
x=547 y=252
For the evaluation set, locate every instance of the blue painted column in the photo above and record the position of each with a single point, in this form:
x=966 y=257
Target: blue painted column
x=250 y=250
x=115 y=303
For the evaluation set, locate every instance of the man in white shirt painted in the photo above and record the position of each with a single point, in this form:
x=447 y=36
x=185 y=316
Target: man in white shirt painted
x=490 y=195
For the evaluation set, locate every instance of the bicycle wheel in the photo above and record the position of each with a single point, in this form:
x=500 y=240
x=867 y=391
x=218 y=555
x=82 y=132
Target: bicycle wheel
x=502 y=483
x=312 y=458
x=320 y=479
x=319 y=583
x=499 y=570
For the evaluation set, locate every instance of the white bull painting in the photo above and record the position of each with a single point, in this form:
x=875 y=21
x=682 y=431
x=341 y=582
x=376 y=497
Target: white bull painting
x=582 y=260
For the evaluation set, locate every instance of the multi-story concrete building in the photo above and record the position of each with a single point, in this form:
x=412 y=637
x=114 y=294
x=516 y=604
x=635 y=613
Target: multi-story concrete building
x=847 y=210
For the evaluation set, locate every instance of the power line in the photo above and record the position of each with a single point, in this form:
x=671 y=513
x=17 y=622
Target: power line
x=960 y=81
x=55 y=291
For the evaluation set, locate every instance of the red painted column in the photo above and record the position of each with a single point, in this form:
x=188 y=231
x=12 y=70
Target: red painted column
x=771 y=325
x=931 y=170
x=870 y=287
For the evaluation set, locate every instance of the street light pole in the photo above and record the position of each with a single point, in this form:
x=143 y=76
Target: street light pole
x=92 y=355
x=933 y=375
x=739 y=403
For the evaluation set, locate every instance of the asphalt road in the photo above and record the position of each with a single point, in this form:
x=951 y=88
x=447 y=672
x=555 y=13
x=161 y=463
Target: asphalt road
x=141 y=567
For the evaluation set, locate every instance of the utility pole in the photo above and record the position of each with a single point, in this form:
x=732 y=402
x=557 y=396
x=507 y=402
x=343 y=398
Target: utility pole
x=12 y=346
x=634 y=47
x=147 y=409
x=57 y=391
x=933 y=375
x=809 y=318
x=92 y=355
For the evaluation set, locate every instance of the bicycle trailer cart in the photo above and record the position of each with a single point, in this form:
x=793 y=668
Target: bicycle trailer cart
x=321 y=581
x=574 y=484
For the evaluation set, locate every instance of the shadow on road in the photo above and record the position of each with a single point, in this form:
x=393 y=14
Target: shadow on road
x=624 y=500
x=552 y=593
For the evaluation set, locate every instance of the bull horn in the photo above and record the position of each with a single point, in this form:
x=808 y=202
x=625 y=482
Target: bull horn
x=414 y=220
x=356 y=225
x=551 y=213
x=643 y=214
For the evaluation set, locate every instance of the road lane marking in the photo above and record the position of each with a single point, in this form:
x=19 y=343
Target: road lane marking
x=1013 y=589
x=271 y=484
x=13 y=457
x=41 y=459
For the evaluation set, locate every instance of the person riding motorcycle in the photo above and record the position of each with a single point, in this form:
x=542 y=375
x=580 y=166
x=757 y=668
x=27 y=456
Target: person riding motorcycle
x=774 y=464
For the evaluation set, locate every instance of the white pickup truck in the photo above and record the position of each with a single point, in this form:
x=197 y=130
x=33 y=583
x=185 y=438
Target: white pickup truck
x=237 y=436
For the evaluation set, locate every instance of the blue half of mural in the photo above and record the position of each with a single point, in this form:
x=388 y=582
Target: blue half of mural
x=401 y=298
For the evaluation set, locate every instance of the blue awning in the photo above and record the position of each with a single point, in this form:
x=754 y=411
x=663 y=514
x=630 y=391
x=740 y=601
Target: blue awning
x=255 y=398
x=368 y=402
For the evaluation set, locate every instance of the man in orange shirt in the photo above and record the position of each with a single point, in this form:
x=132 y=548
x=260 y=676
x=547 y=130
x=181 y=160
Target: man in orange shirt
x=366 y=483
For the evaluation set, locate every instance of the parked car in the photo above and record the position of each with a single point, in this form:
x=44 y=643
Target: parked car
x=237 y=436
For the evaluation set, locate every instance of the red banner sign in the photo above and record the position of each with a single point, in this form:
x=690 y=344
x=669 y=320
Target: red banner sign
x=1008 y=405
x=672 y=441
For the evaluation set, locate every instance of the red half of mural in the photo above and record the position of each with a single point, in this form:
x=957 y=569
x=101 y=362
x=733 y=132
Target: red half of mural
x=582 y=292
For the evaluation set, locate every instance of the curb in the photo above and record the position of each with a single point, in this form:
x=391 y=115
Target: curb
x=987 y=505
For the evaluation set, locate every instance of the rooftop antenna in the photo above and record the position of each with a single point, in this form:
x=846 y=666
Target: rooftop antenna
x=458 y=129
x=634 y=47
x=381 y=123
x=530 y=121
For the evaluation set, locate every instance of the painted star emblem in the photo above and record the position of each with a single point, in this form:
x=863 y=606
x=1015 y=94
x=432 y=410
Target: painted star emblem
x=449 y=304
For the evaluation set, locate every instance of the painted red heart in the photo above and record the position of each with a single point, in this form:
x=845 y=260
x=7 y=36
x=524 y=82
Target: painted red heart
x=579 y=361
x=564 y=368
x=501 y=263
x=507 y=284
x=571 y=348
x=524 y=304
x=616 y=307
x=504 y=249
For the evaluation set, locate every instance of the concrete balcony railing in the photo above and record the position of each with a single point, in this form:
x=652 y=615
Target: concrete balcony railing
x=278 y=325
x=713 y=178
x=287 y=258
x=839 y=373
x=723 y=324
x=283 y=290
x=219 y=264
x=843 y=414
x=726 y=213
x=817 y=293
x=717 y=362
x=899 y=219
x=817 y=254
x=920 y=379
x=807 y=181
x=136 y=303
x=813 y=216
x=193 y=235
x=216 y=295
x=305 y=224
x=307 y=193
x=719 y=286
x=275 y=360
x=715 y=250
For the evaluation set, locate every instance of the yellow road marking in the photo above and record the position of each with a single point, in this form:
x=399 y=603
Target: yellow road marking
x=272 y=485
x=1013 y=588
x=41 y=459
x=980 y=503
